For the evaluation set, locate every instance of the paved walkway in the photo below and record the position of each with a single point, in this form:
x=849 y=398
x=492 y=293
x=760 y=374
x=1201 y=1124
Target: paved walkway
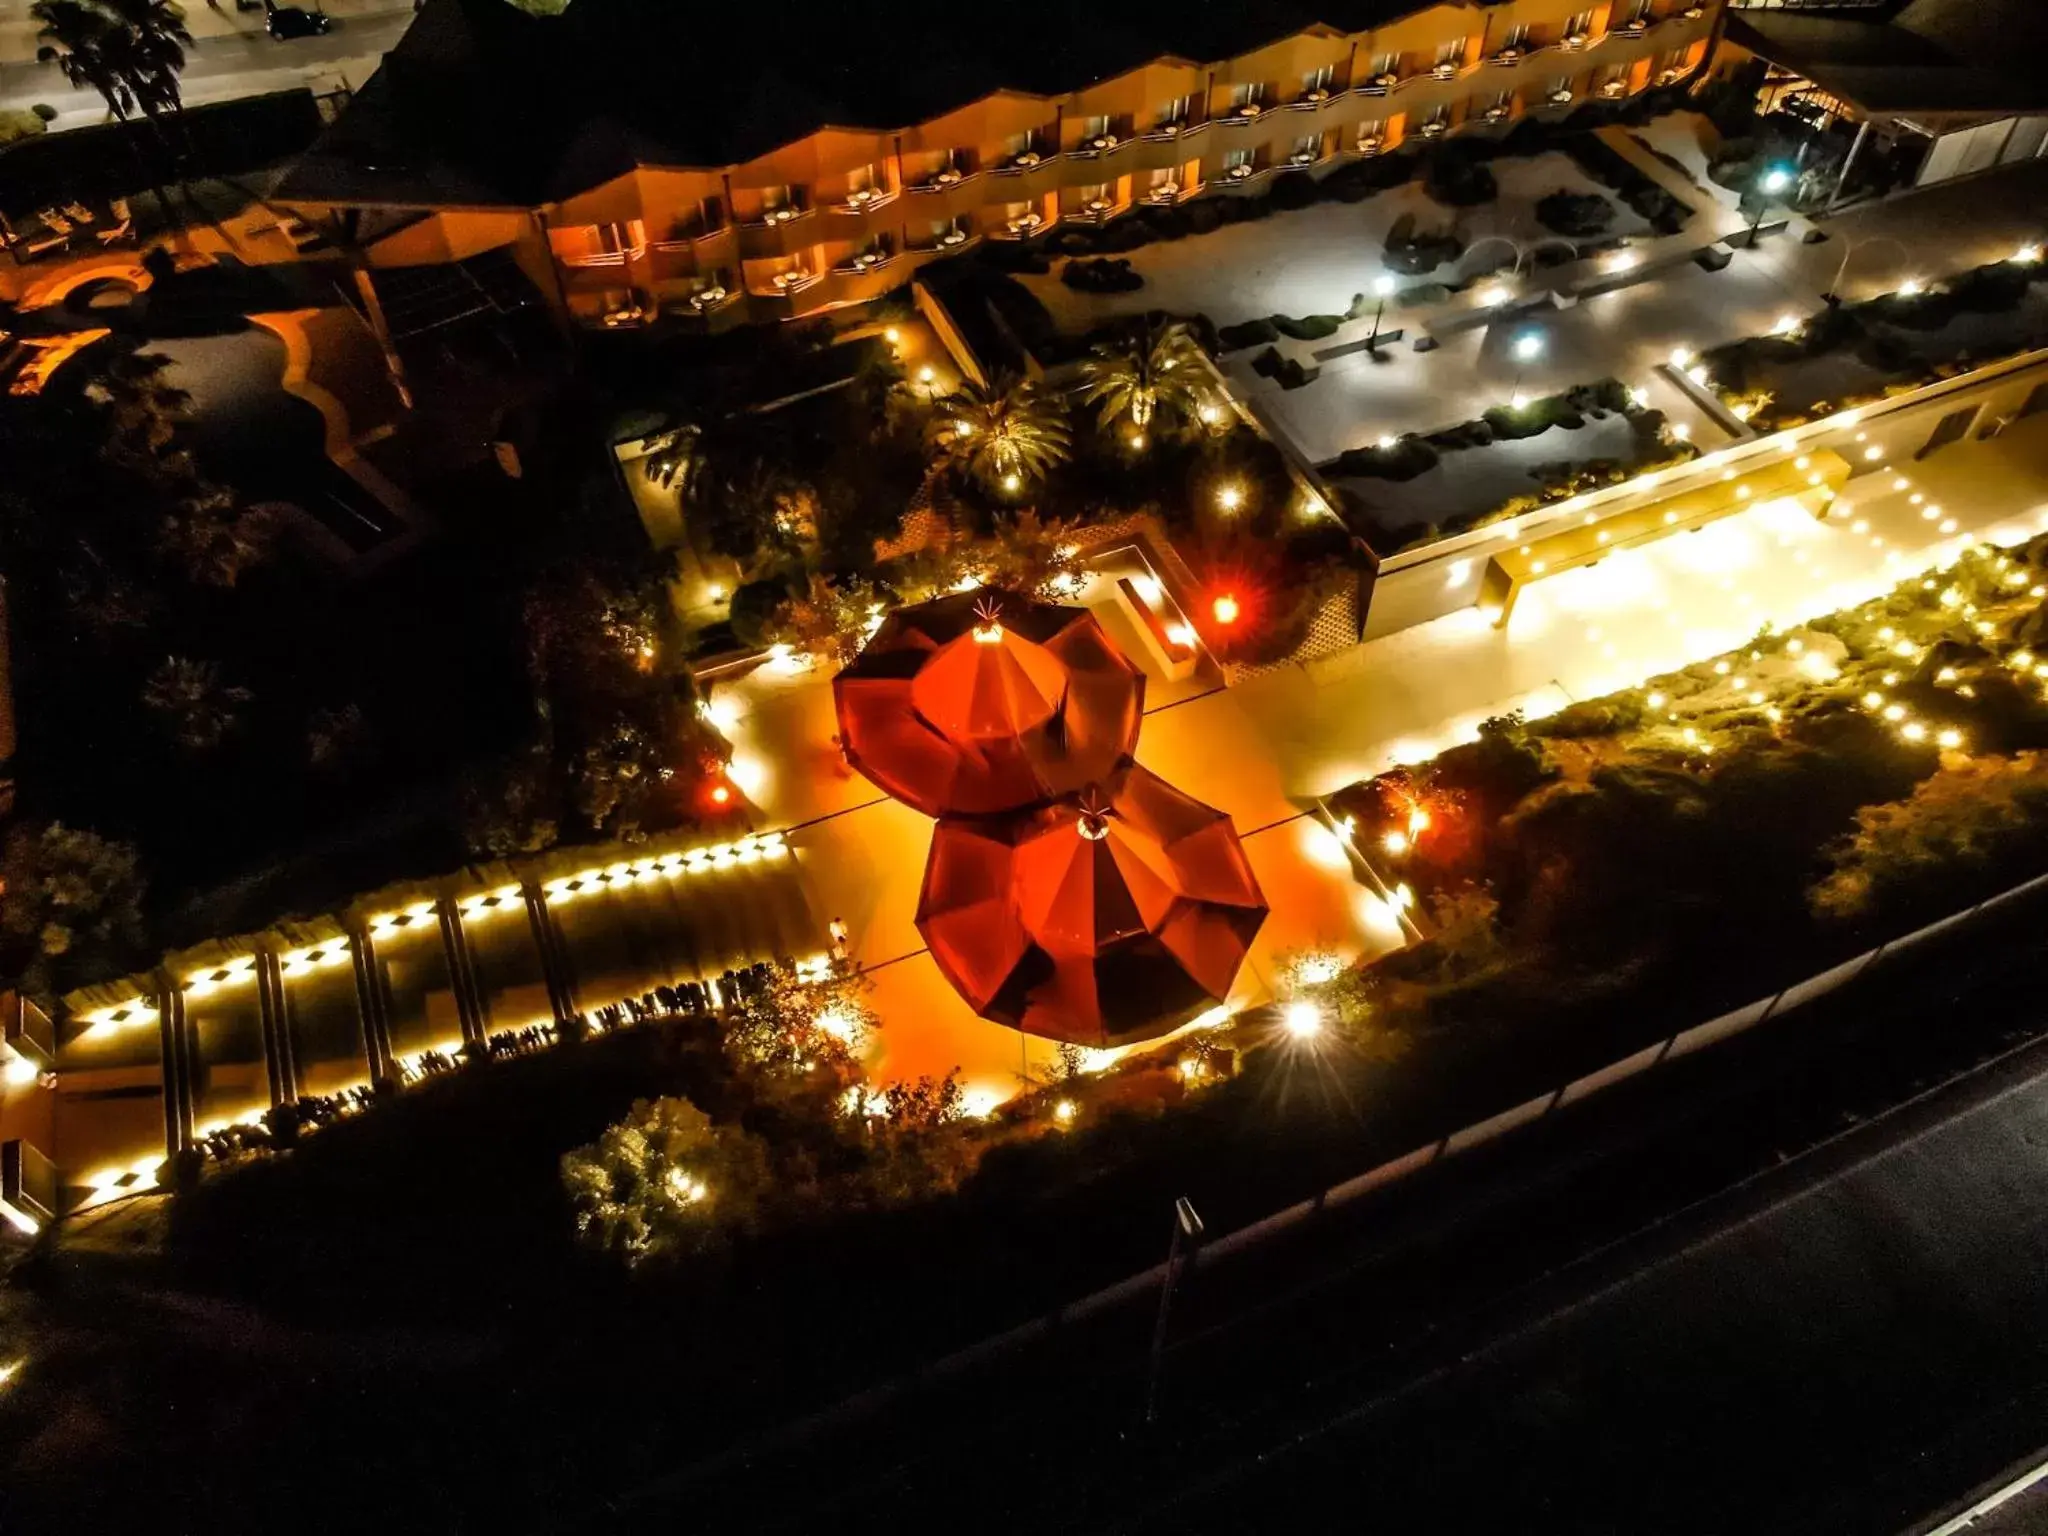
x=1264 y=750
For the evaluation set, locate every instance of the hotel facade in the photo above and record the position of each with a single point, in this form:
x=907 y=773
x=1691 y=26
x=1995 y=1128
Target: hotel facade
x=841 y=215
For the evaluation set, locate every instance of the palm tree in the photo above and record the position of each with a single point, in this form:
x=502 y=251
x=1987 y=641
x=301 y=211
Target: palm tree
x=1152 y=372
x=1005 y=433
x=197 y=707
x=151 y=51
x=79 y=37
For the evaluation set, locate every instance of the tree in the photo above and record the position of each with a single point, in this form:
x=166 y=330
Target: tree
x=1150 y=377
x=197 y=707
x=1954 y=824
x=1039 y=557
x=667 y=1184
x=79 y=37
x=212 y=541
x=792 y=1025
x=510 y=810
x=1005 y=435
x=828 y=618
x=149 y=50
x=69 y=900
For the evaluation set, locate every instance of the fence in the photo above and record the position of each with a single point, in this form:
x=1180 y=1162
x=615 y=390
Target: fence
x=1395 y=1170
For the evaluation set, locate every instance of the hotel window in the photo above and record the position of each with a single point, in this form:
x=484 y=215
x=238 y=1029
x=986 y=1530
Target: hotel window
x=1318 y=79
x=779 y=203
x=1236 y=159
x=1307 y=149
x=1579 y=25
x=1093 y=128
x=863 y=180
x=1518 y=36
x=710 y=214
x=1452 y=53
x=1387 y=64
x=1249 y=94
x=1175 y=112
x=1020 y=144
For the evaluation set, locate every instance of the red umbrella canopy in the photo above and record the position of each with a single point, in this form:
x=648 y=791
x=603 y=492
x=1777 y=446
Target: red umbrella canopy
x=988 y=701
x=1110 y=916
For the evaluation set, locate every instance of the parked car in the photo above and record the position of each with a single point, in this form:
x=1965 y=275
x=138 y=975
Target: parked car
x=285 y=22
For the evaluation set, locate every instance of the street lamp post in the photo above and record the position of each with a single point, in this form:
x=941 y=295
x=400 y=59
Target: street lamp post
x=1527 y=348
x=1382 y=286
x=1187 y=1231
x=1775 y=179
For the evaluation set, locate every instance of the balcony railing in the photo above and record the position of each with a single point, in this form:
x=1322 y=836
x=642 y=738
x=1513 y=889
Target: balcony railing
x=593 y=259
x=1019 y=163
x=1166 y=133
x=866 y=261
x=1510 y=56
x=941 y=179
x=1574 y=42
x=1449 y=69
x=861 y=199
x=1244 y=112
x=1380 y=85
x=1096 y=147
x=1370 y=144
x=1166 y=193
x=1097 y=210
x=1310 y=99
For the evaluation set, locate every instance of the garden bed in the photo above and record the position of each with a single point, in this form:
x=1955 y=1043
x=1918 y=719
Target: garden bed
x=1856 y=354
x=1424 y=487
x=1723 y=824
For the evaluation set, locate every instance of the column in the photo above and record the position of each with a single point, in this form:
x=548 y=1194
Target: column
x=280 y=1061
x=554 y=961
x=178 y=1054
x=373 y=1004
x=461 y=973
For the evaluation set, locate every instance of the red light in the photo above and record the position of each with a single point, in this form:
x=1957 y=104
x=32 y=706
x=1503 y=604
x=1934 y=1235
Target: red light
x=1224 y=608
x=720 y=794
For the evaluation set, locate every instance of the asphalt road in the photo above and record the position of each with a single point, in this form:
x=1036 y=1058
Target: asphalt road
x=1650 y=1320
x=222 y=68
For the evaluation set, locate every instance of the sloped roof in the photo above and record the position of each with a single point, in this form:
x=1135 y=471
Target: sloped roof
x=1102 y=918
x=481 y=103
x=986 y=701
x=1976 y=56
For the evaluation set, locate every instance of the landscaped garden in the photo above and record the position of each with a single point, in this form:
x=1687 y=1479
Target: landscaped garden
x=1848 y=355
x=1517 y=457
x=878 y=494
x=673 y=1186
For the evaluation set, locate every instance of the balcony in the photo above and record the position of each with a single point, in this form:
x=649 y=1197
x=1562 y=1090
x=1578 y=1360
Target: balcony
x=1574 y=42
x=1167 y=133
x=958 y=238
x=1630 y=31
x=1381 y=85
x=1019 y=163
x=944 y=178
x=1097 y=210
x=1510 y=56
x=1238 y=177
x=1309 y=100
x=1022 y=227
x=779 y=232
x=1098 y=146
x=1241 y=114
x=865 y=261
x=1370 y=144
x=1166 y=193
x=1435 y=128
x=1448 y=70
x=862 y=199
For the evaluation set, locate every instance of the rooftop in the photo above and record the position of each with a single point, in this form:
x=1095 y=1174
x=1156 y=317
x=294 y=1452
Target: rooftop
x=1925 y=56
x=483 y=105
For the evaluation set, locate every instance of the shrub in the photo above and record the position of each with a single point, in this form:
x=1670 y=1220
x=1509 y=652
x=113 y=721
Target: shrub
x=1574 y=213
x=1251 y=333
x=1308 y=327
x=1457 y=179
x=1412 y=252
x=1284 y=371
x=1105 y=274
x=753 y=609
x=1295 y=189
x=1407 y=458
x=17 y=124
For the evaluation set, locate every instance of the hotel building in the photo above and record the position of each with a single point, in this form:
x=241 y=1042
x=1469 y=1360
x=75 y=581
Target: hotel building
x=644 y=162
